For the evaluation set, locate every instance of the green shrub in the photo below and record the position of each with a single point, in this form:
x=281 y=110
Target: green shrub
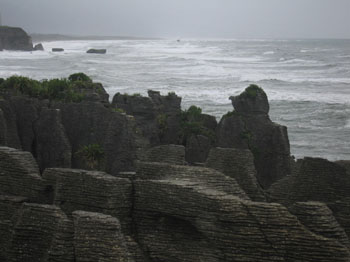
x=92 y=154
x=79 y=77
x=162 y=120
x=230 y=113
x=22 y=85
x=118 y=110
x=251 y=91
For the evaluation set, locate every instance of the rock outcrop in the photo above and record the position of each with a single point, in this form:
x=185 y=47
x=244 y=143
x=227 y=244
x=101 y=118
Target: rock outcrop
x=249 y=126
x=14 y=38
x=38 y=47
x=96 y=51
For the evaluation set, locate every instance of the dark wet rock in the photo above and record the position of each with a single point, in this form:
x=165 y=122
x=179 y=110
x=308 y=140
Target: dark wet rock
x=229 y=132
x=249 y=126
x=319 y=219
x=144 y=112
x=172 y=154
x=93 y=92
x=51 y=143
x=345 y=164
x=57 y=49
x=98 y=237
x=41 y=233
x=10 y=133
x=89 y=123
x=38 y=47
x=317 y=180
x=238 y=164
x=96 y=51
x=252 y=101
x=19 y=176
x=180 y=220
x=3 y=128
x=15 y=38
x=91 y=191
x=27 y=112
x=157 y=116
x=197 y=148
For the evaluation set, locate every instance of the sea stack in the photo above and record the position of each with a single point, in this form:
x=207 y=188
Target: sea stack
x=15 y=38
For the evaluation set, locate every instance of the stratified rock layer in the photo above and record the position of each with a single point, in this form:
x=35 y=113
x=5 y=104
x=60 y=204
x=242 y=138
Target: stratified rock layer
x=91 y=191
x=98 y=237
x=238 y=164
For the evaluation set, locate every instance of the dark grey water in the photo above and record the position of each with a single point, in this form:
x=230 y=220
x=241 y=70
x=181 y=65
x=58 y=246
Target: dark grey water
x=307 y=81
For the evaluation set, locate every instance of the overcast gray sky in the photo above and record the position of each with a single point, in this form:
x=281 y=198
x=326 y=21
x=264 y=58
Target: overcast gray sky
x=183 y=18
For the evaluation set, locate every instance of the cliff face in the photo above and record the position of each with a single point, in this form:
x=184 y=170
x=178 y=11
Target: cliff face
x=15 y=38
x=144 y=201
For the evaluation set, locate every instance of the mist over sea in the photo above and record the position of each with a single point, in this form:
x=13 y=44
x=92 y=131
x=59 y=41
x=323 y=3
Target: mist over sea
x=307 y=81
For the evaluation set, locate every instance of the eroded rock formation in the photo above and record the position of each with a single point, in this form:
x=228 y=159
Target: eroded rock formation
x=14 y=38
x=163 y=191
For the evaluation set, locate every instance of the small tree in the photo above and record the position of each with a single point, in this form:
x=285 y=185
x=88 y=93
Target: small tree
x=92 y=154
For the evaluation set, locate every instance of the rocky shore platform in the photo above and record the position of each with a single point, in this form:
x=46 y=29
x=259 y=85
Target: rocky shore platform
x=140 y=179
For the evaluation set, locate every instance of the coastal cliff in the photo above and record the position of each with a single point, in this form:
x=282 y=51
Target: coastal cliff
x=14 y=38
x=140 y=179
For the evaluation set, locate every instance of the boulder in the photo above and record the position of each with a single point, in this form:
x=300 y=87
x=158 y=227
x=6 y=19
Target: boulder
x=96 y=51
x=98 y=237
x=57 y=49
x=15 y=38
x=38 y=47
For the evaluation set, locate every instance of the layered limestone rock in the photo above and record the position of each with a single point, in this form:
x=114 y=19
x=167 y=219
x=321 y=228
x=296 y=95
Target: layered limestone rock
x=91 y=191
x=98 y=237
x=171 y=154
x=89 y=123
x=249 y=126
x=52 y=147
x=178 y=220
x=15 y=38
x=19 y=176
x=158 y=117
x=197 y=149
x=317 y=180
x=207 y=178
x=40 y=233
x=238 y=164
x=319 y=219
x=9 y=206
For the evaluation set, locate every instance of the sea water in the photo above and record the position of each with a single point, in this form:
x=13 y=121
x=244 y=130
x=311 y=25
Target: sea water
x=307 y=81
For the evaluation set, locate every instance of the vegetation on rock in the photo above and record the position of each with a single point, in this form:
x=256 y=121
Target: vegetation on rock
x=192 y=124
x=92 y=154
x=251 y=91
x=66 y=90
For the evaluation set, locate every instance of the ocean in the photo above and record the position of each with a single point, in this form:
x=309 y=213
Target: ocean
x=307 y=81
